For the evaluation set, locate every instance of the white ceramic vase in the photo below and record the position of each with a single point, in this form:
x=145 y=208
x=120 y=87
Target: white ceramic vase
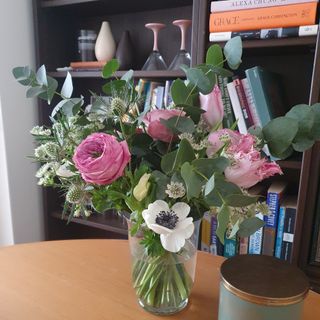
x=105 y=47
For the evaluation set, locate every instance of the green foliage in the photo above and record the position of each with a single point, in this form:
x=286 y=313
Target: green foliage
x=110 y=68
x=250 y=226
x=214 y=55
x=193 y=181
x=67 y=87
x=151 y=241
x=223 y=221
x=233 y=52
x=179 y=125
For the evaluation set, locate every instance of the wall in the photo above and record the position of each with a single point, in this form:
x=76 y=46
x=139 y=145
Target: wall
x=21 y=217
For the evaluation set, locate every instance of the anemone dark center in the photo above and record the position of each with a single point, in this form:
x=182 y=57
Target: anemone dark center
x=167 y=219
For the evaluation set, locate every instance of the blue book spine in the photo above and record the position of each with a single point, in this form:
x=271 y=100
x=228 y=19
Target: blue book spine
x=278 y=246
x=213 y=241
x=255 y=240
x=230 y=247
x=273 y=199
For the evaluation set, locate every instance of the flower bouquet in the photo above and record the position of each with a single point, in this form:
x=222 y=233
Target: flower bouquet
x=163 y=168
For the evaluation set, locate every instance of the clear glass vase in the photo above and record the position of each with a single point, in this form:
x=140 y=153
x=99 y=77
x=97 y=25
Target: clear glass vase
x=163 y=283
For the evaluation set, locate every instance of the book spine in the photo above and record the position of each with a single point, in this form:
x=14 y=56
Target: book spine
x=206 y=232
x=237 y=108
x=243 y=102
x=228 y=116
x=167 y=96
x=277 y=250
x=256 y=85
x=269 y=234
x=264 y=18
x=159 y=99
x=255 y=240
x=232 y=5
x=288 y=234
x=275 y=33
x=230 y=247
x=243 y=245
x=213 y=236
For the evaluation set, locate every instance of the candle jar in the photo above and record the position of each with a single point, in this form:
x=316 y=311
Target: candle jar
x=258 y=287
x=86 y=43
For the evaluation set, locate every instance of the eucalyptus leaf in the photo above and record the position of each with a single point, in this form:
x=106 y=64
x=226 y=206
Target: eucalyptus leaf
x=209 y=185
x=194 y=112
x=223 y=221
x=51 y=90
x=208 y=167
x=128 y=75
x=240 y=200
x=279 y=133
x=41 y=76
x=234 y=230
x=67 y=87
x=200 y=80
x=233 y=52
x=167 y=161
x=113 y=86
x=110 y=68
x=24 y=75
x=214 y=55
x=140 y=144
x=179 y=124
x=192 y=180
x=162 y=181
x=250 y=226
x=35 y=91
x=180 y=93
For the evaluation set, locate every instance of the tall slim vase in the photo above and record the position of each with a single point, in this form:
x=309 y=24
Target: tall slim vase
x=124 y=53
x=105 y=47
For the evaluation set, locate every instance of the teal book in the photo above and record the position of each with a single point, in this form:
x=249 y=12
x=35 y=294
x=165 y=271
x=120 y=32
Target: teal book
x=230 y=247
x=267 y=92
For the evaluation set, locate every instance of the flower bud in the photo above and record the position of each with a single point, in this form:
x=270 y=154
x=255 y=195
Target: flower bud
x=141 y=189
x=74 y=194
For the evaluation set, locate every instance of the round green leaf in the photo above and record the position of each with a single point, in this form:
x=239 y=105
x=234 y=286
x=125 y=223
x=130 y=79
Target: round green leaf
x=110 y=68
x=233 y=52
x=214 y=55
x=250 y=226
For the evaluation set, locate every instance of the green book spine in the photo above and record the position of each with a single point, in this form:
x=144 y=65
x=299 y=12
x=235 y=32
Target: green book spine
x=228 y=116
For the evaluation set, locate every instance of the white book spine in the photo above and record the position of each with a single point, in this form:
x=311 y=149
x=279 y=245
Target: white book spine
x=237 y=108
x=220 y=36
x=305 y=31
x=255 y=240
x=234 y=5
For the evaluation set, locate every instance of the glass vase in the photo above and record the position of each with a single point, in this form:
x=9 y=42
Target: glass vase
x=163 y=283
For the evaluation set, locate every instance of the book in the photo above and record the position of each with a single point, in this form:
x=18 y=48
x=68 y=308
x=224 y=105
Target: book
x=151 y=95
x=273 y=33
x=230 y=247
x=167 y=100
x=243 y=102
x=205 y=232
x=243 y=245
x=282 y=211
x=213 y=248
x=228 y=115
x=264 y=18
x=237 y=108
x=274 y=195
x=255 y=240
x=267 y=93
x=159 y=98
x=232 y=5
x=289 y=229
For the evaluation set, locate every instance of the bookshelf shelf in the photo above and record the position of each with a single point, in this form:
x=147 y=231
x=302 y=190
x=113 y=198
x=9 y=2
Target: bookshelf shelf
x=108 y=221
x=165 y=74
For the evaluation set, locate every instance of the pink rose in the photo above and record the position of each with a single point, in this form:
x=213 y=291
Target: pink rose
x=101 y=159
x=248 y=168
x=213 y=105
x=219 y=138
x=245 y=144
x=155 y=128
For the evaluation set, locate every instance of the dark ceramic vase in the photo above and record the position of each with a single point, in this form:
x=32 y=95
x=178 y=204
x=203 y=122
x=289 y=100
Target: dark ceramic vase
x=124 y=53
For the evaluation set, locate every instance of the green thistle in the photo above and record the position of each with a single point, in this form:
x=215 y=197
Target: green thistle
x=118 y=106
x=74 y=194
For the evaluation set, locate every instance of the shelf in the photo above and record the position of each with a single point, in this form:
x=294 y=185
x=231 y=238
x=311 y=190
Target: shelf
x=109 y=221
x=290 y=164
x=165 y=74
x=90 y=7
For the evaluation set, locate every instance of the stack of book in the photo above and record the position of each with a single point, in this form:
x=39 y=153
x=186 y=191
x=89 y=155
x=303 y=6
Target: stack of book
x=156 y=95
x=274 y=239
x=262 y=19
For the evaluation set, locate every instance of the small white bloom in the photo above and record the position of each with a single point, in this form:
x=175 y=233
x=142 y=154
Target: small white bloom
x=172 y=224
x=175 y=190
x=40 y=131
x=64 y=172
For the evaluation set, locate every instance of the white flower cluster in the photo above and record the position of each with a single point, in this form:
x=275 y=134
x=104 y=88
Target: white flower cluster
x=175 y=190
x=46 y=173
x=47 y=151
x=40 y=131
x=196 y=146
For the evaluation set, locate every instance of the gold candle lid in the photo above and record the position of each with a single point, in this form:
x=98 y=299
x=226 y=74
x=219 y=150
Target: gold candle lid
x=264 y=280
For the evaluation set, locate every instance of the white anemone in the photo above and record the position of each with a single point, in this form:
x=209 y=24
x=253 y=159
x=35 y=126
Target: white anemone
x=172 y=224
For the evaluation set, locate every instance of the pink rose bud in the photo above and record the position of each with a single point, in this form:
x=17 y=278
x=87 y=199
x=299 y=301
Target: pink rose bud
x=155 y=128
x=247 y=169
x=213 y=105
x=101 y=159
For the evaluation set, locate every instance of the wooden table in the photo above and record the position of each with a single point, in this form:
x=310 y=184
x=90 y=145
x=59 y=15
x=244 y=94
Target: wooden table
x=90 y=279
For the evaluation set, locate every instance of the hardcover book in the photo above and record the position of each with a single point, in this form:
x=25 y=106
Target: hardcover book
x=274 y=195
x=273 y=33
x=288 y=229
x=232 y=5
x=205 y=232
x=230 y=247
x=277 y=250
x=267 y=92
x=264 y=18
x=237 y=108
